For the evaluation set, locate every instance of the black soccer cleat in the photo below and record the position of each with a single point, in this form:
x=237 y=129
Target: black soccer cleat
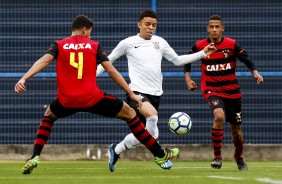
x=216 y=163
x=242 y=166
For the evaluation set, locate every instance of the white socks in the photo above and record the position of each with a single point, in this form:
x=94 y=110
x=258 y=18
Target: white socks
x=130 y=140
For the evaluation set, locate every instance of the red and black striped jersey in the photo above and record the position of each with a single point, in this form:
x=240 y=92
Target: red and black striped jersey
x=218 y=69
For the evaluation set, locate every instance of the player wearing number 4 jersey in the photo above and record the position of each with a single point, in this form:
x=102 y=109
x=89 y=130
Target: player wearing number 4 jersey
x=77 y=59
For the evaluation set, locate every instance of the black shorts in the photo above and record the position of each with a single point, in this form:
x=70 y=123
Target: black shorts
x=231 y=107
x=154 y=100
x=108 y=106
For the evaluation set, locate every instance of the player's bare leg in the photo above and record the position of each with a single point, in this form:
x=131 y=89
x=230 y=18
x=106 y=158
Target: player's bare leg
x=238 y=142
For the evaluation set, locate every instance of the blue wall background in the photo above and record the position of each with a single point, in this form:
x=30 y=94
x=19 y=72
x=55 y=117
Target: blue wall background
x=29 y=27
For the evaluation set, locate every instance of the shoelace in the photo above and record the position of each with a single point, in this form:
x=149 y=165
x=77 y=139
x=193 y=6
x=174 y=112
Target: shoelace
x=169 y=154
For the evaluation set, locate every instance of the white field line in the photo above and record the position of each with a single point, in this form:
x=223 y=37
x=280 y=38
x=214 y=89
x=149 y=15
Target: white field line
x=225 y=177
x=269 y=180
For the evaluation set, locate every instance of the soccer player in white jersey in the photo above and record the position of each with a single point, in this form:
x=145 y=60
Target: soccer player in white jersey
x=144 y=52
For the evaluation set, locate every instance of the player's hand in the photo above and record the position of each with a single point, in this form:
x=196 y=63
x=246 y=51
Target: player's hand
x=191 y=85
x=210 y=49
x=20 y=86
x=258 y=77
x=137 y=99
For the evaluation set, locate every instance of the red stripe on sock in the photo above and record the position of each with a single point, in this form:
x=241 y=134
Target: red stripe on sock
x=217 y=137
x=47 y=125
x=137 y=129
x=133 y=121
x=150 y=142
x=140 y=127
x=40 y=141
x=43 y=132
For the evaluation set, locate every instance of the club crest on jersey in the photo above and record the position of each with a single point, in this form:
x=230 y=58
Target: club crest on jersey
x=77 y=46
x=225 y=53
x=218 y=67
x=156 y=45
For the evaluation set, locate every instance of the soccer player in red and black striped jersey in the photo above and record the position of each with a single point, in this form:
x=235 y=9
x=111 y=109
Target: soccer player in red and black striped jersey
x=77 y=58
x=220 y=87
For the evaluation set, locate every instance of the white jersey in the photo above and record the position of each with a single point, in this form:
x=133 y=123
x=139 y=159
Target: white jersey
x=144 y=62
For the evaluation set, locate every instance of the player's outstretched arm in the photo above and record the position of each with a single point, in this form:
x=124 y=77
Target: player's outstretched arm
x=258 y=77
x=39 y=65
x=189 y=58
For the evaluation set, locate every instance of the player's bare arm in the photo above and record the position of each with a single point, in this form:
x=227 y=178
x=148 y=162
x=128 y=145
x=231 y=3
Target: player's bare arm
x=189 y=82
x=115 y=75
x=39 y=65
x=258 y=77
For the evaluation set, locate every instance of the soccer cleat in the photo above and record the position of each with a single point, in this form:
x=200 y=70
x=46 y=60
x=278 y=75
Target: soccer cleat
x=113 y=157
x=242 y=166
x=30 y=165
x=169 y=154
x=166 y=165
x=216 y=163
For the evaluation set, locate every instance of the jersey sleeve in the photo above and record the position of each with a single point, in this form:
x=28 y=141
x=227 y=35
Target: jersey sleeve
x=118 y=51
x=242 y=55
x=101 y=55
x=169 y=53
x=53 y=50
x=187 y=67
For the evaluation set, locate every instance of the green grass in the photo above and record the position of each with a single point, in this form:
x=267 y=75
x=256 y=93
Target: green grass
x=141 y=172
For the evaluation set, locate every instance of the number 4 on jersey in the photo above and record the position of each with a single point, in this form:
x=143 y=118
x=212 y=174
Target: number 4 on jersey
x=78 y=65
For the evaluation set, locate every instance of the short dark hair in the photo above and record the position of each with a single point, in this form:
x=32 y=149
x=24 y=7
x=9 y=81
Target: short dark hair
x=80 y=22
x=216 y=17
x=148 y=13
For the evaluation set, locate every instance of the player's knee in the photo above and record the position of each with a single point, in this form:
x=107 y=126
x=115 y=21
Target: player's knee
x=218 y=115
x=50 y=114
x=126 y=113
x=219 y=118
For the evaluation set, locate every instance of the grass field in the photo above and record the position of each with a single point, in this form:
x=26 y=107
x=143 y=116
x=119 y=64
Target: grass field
x=141 y=172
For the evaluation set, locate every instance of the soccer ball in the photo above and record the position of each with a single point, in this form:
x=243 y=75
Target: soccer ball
x=180 y=123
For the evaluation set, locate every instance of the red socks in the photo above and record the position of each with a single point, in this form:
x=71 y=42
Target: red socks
x=217 y=137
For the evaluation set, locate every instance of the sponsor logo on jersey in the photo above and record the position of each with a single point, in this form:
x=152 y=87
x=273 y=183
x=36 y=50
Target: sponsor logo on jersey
x=77 y=46
x=218 y=67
